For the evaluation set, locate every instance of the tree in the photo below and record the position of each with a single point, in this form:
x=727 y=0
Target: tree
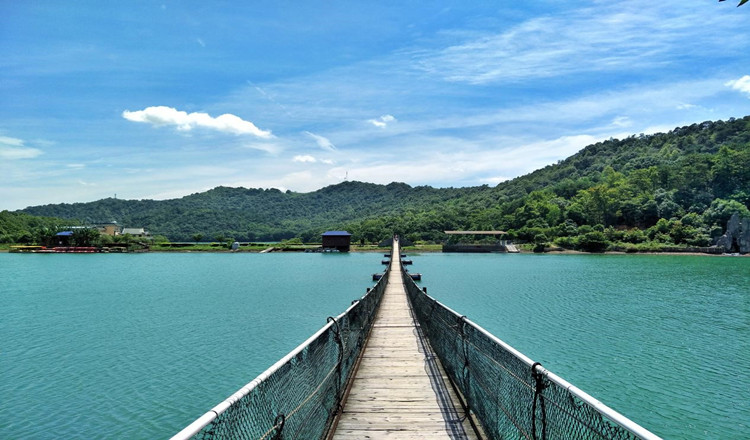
x=593 y=242
x=24 y=237
x=85 y=236
x=731 y=172
x=598 y=203
x=721 y=210
x=540 y=241
x=46 y=236
x=106 y=240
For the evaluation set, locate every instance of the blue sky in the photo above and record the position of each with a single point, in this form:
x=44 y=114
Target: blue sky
x=149 y=99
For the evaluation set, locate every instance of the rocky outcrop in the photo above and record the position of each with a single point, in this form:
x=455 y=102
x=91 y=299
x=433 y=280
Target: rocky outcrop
x=737 y=237
x=744 y=239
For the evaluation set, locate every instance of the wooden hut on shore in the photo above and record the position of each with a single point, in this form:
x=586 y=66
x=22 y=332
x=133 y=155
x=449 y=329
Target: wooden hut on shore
x=338 y=240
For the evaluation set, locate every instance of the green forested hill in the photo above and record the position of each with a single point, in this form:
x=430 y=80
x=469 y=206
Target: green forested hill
x=676 y=188
x=257 y=214
x=19 y=227
x=669 y=188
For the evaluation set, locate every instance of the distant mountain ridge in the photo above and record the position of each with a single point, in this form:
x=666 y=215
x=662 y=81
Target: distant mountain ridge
x=699 y=170
x=254 y=214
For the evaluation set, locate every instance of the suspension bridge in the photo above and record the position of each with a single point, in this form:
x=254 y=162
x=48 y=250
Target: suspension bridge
x=397 y=364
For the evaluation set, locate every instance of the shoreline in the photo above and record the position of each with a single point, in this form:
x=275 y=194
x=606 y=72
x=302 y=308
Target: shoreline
x=696 y=254
x=426 y=250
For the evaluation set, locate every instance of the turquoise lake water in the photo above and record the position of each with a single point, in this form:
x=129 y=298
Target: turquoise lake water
x=139 y=345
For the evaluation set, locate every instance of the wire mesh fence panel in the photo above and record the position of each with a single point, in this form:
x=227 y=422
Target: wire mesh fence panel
x=299 y=396
x=512 y=396
x=295 y=399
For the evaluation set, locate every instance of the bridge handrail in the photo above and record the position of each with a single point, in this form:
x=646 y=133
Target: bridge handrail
x=462 y=344
x=257 y=409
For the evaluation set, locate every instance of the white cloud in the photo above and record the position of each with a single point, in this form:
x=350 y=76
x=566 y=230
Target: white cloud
x=9 y=141
x=305 y=158
x=495 y=180
x=269 y=148
x=382 y=121
x=741 y=85
x=14 y=148
x=622 y=122
x=226 y=123
x=322 y=142
x=685 y=106
x=453 y=161
x=604 y=38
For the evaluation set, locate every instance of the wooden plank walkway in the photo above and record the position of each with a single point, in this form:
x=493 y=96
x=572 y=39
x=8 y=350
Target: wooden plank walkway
x=400 y=390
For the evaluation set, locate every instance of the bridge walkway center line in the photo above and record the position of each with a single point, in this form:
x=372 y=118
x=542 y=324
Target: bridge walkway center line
x=400 y=391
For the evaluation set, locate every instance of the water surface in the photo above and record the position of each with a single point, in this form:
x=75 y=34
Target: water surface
x=662 y=339
x=139 y=345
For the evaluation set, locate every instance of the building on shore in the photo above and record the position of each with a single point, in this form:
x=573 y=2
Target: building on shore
x=136 y=232
x=338 y=240
x=112 y=229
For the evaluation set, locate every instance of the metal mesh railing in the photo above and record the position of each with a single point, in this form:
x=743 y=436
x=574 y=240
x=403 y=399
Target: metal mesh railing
x=298 y=397
x=512 y=396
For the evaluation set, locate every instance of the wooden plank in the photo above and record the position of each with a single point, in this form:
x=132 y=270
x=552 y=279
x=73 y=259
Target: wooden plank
x=400 y=382
x=393 y=395
x=396 y=420
x=396 y=425
x=389 y=435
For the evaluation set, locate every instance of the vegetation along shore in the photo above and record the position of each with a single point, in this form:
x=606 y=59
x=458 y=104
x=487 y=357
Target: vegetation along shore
x=687 y=190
